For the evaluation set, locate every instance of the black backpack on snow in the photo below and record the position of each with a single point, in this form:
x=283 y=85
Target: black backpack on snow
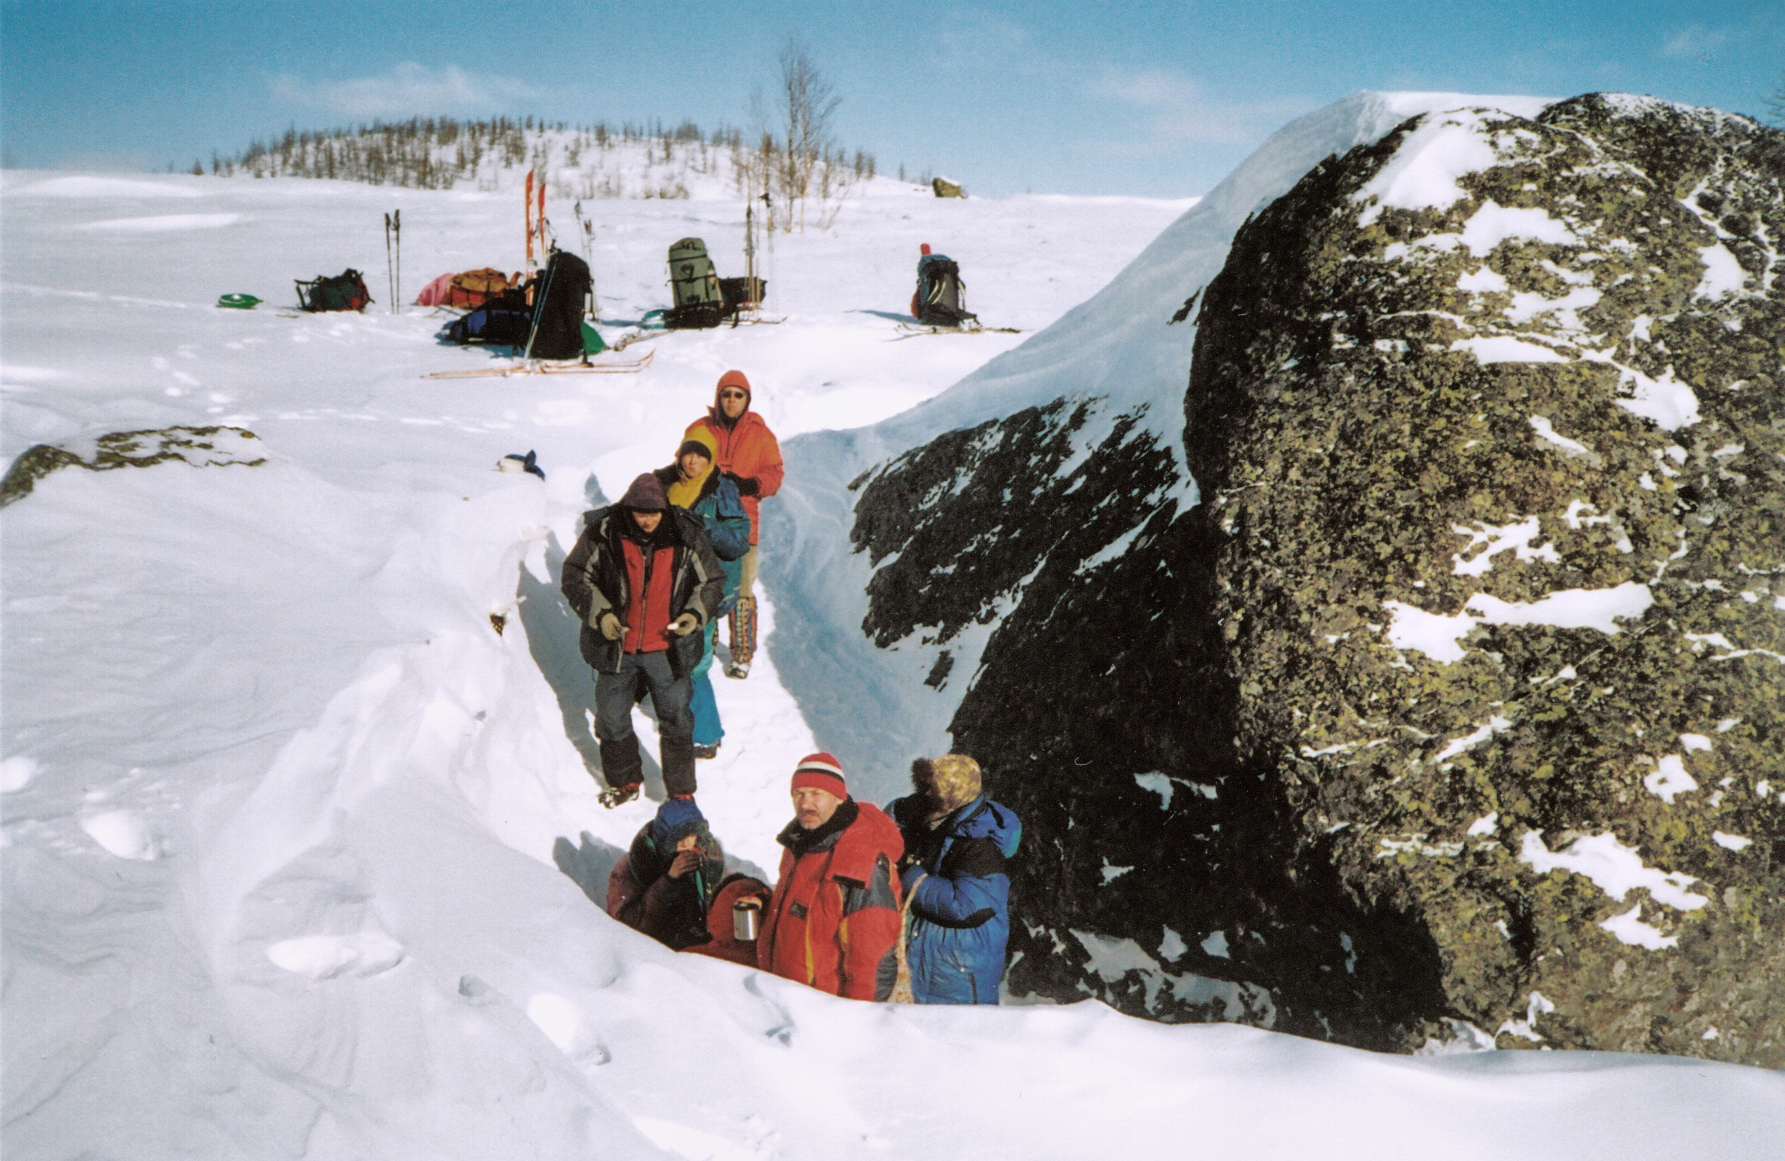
x=491 y=325
x=699 y=301
x=345 y=291
x=940 y=301
x=558 y=309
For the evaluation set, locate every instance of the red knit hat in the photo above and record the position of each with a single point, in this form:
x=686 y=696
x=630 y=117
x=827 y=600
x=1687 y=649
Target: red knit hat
x=823 y=771
x=734 y=379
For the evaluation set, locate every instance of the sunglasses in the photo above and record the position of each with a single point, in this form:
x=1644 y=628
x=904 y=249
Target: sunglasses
x=732 y=395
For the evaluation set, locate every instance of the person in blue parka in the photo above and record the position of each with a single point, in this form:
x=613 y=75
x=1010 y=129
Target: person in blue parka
x=957 y=844
x=692 y=483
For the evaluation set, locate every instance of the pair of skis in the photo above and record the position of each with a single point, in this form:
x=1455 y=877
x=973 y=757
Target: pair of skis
x=529 y=367
x=537 y=232
x=970 y=327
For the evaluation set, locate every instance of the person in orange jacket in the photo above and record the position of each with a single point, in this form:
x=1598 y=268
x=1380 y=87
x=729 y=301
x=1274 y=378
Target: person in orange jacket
x=750 y=457
x=833 y=920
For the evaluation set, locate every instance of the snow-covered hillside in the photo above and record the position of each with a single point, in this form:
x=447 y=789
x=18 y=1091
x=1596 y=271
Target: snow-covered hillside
x=296 y=843
x=594 y=162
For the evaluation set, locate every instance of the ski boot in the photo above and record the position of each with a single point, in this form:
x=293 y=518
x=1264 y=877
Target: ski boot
x=619 y=795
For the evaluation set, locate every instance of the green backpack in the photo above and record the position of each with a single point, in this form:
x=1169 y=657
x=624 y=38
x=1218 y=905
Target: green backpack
x=698 y=300
x=345 y=291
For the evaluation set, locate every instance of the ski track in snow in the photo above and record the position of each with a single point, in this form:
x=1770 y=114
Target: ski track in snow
x=294 y=838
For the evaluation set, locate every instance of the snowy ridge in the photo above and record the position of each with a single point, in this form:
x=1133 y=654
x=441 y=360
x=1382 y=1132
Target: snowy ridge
x=591 y=163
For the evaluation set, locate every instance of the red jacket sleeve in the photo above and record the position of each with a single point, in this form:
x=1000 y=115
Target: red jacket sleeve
x=868 y=935
x=768 y=468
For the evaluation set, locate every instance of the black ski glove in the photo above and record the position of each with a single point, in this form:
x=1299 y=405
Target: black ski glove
x=747 y=485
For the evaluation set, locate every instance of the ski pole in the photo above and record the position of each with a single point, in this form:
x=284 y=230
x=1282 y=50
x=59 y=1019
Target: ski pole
x=389 y=270
x=589 y=254
x=396 y=223
x=545 y=294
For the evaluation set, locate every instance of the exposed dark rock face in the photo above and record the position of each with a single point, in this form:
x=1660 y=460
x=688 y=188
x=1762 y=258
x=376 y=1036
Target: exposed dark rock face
x=198 y=446
x=1461 y=695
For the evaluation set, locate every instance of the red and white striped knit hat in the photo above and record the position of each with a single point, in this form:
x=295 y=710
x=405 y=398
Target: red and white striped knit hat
x=823 y=771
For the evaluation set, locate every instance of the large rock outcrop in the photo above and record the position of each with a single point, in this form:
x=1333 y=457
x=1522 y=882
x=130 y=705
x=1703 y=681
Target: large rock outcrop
x=1457 y=704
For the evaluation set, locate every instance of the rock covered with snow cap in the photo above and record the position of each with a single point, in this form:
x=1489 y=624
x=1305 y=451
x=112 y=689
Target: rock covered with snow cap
x=1431 y=713
x=1489 y=418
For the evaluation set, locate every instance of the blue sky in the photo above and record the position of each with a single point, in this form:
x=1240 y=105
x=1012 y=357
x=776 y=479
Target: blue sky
x=1083 y=97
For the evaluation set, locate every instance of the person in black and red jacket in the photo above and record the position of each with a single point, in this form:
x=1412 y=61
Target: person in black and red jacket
x=645 y=581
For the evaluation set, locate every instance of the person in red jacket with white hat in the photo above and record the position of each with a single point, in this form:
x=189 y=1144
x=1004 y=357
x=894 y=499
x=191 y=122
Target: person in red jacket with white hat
x=833 y=921
x=750 y=457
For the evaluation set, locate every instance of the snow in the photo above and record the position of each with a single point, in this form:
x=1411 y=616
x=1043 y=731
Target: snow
x=1506 y=349
x=1159 y=784
x=1668 y=402
x=165 y=222
x=122 y=833
x=1722 y=273
x=1424 y=171
x=1494 y=725
x=1599 y=609
x=1629 y=928
x=1440 y=637
x=1613 y=867
x=1669 y=779
x=1493 y=224
x=1488 y=540
x=1482 y=281
x=323 y=957
x=16 y=773
x=296 y=844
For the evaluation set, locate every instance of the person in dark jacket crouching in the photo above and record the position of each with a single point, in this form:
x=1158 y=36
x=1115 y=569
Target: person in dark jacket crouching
x=672 y=886
x=834 y=920
x=645 y=581
x=957 y=842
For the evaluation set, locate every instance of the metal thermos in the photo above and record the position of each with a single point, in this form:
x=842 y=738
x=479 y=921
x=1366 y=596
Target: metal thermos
x=746 y=920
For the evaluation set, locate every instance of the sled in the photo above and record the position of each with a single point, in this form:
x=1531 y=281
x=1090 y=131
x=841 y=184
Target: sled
x=617 y=367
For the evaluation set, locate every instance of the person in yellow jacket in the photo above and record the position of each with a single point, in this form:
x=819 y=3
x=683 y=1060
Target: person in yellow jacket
x=750 y=457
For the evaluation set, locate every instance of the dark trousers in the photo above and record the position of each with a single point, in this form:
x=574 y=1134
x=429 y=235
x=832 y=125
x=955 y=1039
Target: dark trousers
x=617 y=693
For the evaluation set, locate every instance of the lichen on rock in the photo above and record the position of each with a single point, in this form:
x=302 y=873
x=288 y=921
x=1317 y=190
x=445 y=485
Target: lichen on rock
x=1379 y=393
x=199 y=446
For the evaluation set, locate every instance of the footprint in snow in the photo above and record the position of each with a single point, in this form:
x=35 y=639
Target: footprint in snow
x=123 y=834
x=323 y=957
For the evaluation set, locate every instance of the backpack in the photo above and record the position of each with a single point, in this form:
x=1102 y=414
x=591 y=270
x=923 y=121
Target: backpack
x=742 y=292
x=557 y=331
x=940 y=301
x=345 y=291
x=695 y=285
x=473 y=288
x=493 y=326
